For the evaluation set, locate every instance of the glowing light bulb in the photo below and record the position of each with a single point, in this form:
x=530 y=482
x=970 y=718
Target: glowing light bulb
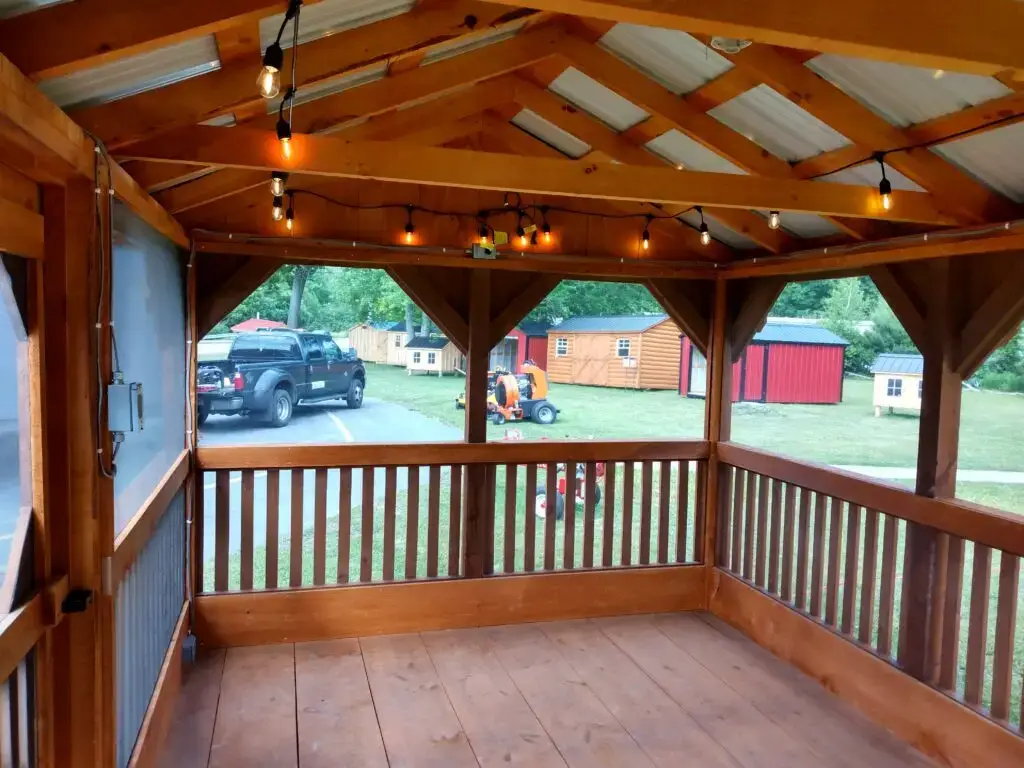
x=284 y=135
x=269 y=81
x=278 y=208
x=546 y=229
x=286 y=148
x=289 y=217
x=645 y=239
x=277 y=181
x=773 y=220
x=521 y=234
x=410 y=230
x=705 y=235
x=483 y=234
x=885 y=190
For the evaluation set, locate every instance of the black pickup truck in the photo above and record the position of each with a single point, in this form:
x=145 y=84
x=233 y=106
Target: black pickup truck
x=267 y=372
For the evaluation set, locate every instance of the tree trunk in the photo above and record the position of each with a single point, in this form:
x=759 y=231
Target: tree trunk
x=426 y=325
x=299 y=278
x=410 y=327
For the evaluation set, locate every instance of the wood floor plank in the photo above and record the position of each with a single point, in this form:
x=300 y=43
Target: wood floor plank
x=337 y=724
x=663 y=731
x=416 y=719
x=191 y=732
x=500 y=725
x=584 y=731
x=750 y=737
x=256 y=714
x=833 y=731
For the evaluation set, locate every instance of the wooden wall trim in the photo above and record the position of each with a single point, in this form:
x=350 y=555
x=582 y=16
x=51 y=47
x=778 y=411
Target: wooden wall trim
x=991 y=527
x=286 y=616
x=21 y=231
x=375 y=454
x=160 y=711
x=933 y=722
x=133 y=538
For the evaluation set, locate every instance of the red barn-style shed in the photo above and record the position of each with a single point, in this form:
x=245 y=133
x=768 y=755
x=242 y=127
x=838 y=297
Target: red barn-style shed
x=783 y=363
x=527 y=341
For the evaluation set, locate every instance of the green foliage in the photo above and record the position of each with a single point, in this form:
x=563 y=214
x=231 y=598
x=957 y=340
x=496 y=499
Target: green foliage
x=1001 y=381
x=575 y=298
x=1004 y=369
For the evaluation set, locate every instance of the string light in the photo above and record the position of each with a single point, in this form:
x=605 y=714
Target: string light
x=773 y=220
x=410 y=230
x=705 y=234
x=545 y=227
x=289 y=216
x=269 y=80
x=884 y=187
x=277 y=182
x=284 y=135
x=278 y=208
x=483 y=233
x=520 y=232
x=645 y=238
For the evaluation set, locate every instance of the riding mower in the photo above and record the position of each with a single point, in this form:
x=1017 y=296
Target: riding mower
x=521 y=397
x=540 y=507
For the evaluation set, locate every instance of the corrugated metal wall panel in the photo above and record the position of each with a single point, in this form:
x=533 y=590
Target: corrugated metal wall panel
x=805 y=373
x=772 y=121
x=601 y=102
x=330 y=17
x=147 y=606
x=673 y=58
x=753 y=372
x=905 y=95
x=995 y=158
x=550 y=134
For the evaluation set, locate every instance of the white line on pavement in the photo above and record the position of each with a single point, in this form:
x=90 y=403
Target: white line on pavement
x=341 y=428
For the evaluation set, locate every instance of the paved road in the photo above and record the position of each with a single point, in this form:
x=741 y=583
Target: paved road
x=377 y=421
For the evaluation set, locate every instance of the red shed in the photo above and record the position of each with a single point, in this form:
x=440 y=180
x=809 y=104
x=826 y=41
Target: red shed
x=784 y=363
x=527 y=341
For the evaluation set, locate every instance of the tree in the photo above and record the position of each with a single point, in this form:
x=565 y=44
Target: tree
x=574 y=298
x=299 y=277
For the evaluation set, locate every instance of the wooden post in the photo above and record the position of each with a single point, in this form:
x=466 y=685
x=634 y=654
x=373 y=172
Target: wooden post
x=478 y=541
x=927 y=548
x=717 y=417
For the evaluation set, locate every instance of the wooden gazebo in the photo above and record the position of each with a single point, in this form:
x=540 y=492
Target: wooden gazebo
x=481 y=152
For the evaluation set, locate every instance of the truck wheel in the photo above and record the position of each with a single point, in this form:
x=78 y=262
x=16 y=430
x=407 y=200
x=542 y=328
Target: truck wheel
x=202 y=415
x=354 y=399
x=544 y=413
x=280 y=408
x=540 y=505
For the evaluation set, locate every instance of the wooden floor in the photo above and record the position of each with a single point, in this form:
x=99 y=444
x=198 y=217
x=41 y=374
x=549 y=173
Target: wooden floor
x=675 y=690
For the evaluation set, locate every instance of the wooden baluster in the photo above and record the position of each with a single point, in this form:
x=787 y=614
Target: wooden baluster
x=433 y=519
x=737 y=521
x=455 y=520
x=1006 y=625
x=509 y=565
x=551 y=496
x=295 y=544
x=490 y=556
x=949 y=660
x=589 y=507
x=835 y=562
x=803 y=534
x=664 y=499
x=788 y=526
x=646 y=490
x=412 y=523
x=977 y=632
x=699 y=502
x=530 y=520
x=749 y=526
x=607 y=555
x=887 y=586
x=320 y=528
x=222 y=503
x=569 y=547
x=852 y=567
x=682 y=510
x=199 y=524
x=762 y=531
x=818 y=555
x=628 y=486
x=344 y=523
x=247 y=544
x=775 y=536
x=390 y=493
x=867 y=589
x=366 y=536
x=726 y=476
x=273 y=525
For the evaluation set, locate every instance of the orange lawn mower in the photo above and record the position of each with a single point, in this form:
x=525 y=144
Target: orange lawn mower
x=517 y=397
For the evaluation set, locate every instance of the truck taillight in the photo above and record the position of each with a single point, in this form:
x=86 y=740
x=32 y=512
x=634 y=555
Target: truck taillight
x=239 y=382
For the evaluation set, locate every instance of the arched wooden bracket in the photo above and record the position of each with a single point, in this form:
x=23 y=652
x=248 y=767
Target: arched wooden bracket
x=511 y=305
x=688 y=303
x=220 y=293
x=991 y=324
x=749 y=302
x=442 y=294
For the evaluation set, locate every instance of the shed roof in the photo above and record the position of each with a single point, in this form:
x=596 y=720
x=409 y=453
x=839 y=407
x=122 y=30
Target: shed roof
x=534 y=328
x=893 y=363
x=608 y=324
x=785 y=333
x=427 y=342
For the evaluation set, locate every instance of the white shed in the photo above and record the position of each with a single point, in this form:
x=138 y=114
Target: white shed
x=899 y=382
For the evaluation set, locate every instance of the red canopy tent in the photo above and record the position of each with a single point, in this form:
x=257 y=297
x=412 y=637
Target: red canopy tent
x=256 y=324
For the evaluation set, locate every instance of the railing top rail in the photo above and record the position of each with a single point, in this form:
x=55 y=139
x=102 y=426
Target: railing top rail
x=511 y=452
x=974 y=522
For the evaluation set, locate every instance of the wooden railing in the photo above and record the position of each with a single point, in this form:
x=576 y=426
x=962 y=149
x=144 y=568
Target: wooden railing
x=296 y=516
x=831 y=545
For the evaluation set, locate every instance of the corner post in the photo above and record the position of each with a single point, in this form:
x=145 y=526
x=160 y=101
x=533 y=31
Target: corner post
x=478 y=538
x=717 y=418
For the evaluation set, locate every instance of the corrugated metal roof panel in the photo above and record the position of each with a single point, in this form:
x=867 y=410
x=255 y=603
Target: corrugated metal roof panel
x=608 y=324
x=804 y=224
x=869 y=174
x=221 y=121
x=592 y=97
x=784 y=333
x=906 y=95
x=468 y=43
x=675 y=59
x=335 y=85
x=550 y=134
x=9 y=8
x=893 y=363
x=680 y=149
x=330 y=17
x=134 y=74
x=772 y=121
x=995 y=158
x=718 y=230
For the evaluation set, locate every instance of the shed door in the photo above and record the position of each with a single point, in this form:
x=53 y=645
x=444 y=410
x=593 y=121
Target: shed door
x=698 y=372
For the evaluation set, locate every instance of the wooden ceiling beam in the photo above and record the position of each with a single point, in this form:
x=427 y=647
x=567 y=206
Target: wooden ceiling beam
x=233 y=86
x=240 y=42
x=981 y=37
x=391 y=161
x=974 y=120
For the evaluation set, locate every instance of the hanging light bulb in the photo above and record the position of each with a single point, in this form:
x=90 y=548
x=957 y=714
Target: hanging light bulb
x=289 y=216
x=645 y=238
x=410 y=230
x=705 y=234
x=284 y=135
x=773 y=220
x=269 y=81
x=546 y=229
x=278 y=208
x=884 y=187
x=277 y=182
x=520 y=232
x=483 y=233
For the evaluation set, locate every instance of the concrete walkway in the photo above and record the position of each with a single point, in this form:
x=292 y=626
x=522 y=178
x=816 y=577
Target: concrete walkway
x=962 y=475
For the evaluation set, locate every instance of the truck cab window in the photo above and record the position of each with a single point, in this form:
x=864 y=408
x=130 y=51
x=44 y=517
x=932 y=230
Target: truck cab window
x=314 y=351
x=331 y=352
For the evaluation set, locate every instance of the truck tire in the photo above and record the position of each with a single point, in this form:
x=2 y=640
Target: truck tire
x=280 y=412
x=354 y=398
x=202 y=415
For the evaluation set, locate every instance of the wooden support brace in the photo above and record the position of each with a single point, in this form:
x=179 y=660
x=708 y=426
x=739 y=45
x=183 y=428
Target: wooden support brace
x=506 y=318
x=749 y=309
x=990 y=324
x=418 y=287
x=688 y=303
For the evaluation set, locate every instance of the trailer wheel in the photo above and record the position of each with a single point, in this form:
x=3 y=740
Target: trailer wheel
x=540 y=505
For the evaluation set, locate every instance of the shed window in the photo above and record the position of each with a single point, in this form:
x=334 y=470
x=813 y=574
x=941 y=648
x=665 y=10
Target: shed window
x=415 y=357
x=398 y=340
x=920 y=389
x=894 y=388
x=431 y=358
x=561 y=346
x=622 y=348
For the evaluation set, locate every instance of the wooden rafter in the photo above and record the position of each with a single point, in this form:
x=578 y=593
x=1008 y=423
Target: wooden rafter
x=980 y=37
